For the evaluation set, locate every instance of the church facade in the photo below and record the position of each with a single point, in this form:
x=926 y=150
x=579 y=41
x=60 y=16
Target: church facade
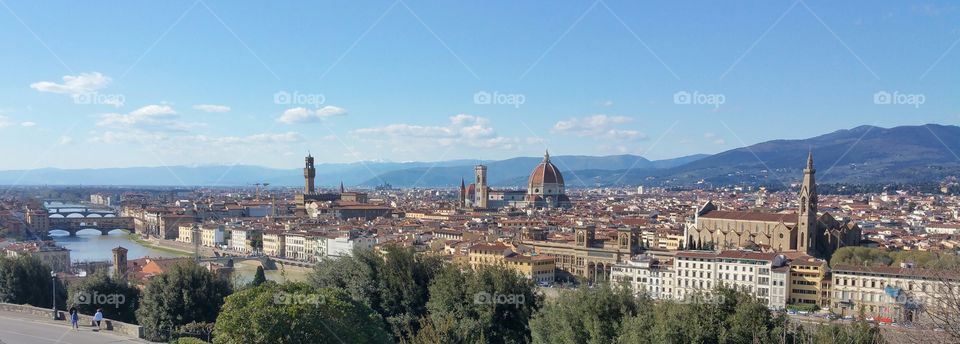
x=803 y=231
x=545 y=189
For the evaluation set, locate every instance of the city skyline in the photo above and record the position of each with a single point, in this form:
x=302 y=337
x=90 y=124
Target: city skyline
x=100 y=86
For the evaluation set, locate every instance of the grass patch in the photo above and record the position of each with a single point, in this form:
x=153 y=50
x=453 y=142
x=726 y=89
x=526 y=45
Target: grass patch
x=137 y=239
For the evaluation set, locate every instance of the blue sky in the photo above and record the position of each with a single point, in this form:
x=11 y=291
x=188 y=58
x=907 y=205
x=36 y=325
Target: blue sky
x=148 y=83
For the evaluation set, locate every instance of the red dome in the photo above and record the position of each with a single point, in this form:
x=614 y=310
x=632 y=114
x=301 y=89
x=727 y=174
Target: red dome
x=546 y=173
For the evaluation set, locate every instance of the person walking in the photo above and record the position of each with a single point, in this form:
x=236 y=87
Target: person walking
x=98 y=317
x=74 y=318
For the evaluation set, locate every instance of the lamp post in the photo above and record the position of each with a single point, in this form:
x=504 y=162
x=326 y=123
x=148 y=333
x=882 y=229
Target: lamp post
x=53 y=283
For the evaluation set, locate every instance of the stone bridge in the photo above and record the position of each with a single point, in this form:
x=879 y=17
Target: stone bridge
x=103 y=224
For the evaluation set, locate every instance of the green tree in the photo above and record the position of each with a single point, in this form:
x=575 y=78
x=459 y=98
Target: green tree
x=116 y=298
x=297 y=313
x=394 y=285
x=27 y=280
x=492 y=304
x=587 y=315
x=183 y=294
x=860 y=332
x=259 y=277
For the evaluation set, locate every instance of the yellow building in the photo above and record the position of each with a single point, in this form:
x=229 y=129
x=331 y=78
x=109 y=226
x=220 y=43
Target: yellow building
x=539 y=268
x=185 y=232
x=807 y=282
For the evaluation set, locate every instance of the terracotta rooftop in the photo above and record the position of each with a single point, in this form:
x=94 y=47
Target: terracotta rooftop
x=751 y=216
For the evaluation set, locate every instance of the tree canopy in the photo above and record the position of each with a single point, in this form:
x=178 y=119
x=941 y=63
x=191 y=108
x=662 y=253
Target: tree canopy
x=290 y=313
x=116 y=298
x=27 y=280
x=185 y=293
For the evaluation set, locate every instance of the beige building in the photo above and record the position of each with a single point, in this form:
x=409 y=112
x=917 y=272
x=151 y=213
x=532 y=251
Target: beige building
x=539 y=268
x=900 y=294
x=56 y=257
x=585 y=257
x=274 y=243
x=212 y=236
x=186 y=232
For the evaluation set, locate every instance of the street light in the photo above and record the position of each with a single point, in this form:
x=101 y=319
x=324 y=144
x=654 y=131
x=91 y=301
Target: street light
x=53 y=282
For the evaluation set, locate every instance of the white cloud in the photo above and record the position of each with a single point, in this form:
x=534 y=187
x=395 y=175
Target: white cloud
x=4 y=121
x=150 y=117
x=263 y=138
x=599 y=126
x=463 y=129
x=606 y=103
x=28 y=124
x=304 y=115
x=714 y=138
x=65 y=140
x=74 y=84
x=212 y=108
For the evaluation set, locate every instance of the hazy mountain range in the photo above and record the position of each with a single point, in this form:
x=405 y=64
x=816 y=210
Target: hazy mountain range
x=864 y=154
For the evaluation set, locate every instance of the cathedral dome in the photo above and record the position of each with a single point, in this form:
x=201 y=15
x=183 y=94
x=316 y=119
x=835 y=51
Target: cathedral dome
x=545 y=173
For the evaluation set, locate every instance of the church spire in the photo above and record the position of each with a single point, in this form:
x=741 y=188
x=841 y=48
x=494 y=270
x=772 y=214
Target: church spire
x=807 y=224
x=546 y=155
x=341 y=187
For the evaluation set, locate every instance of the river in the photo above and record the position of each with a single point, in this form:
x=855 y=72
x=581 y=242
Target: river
x=89 y=245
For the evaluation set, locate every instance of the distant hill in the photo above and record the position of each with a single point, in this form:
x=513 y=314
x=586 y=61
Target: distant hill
x=513 y=172
x=865 y=154
x=861 y=155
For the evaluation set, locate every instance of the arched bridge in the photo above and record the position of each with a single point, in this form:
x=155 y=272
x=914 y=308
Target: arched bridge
x=104 y=224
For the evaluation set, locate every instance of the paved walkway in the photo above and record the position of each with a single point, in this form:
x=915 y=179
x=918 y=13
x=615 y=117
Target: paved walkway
x=18 y=328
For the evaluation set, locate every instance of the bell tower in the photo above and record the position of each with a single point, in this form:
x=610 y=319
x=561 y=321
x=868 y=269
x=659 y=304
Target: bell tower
x=309 y=173
x=807 y=221
x=480 y=186
x=626 y=238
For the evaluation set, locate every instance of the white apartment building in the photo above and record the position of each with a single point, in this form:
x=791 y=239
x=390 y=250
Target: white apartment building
x=240 y=238
x=901 y=294
x=344 y=245
x=296 y=246
x=645 y=274
x=764 y=275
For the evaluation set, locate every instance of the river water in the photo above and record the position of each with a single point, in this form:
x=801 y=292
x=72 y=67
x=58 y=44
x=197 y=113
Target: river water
x=89 y=245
